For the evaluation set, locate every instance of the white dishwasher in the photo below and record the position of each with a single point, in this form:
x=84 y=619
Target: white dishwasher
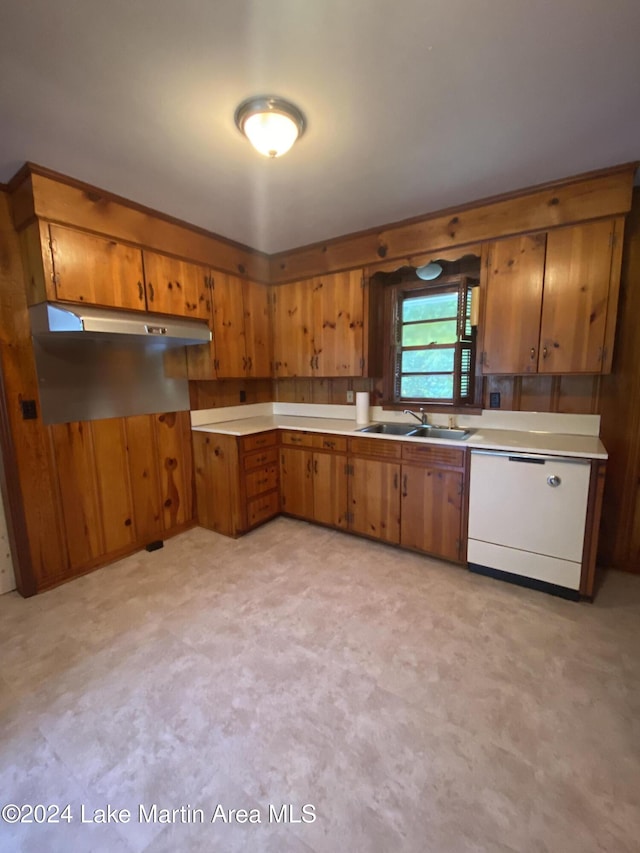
x=527 y=517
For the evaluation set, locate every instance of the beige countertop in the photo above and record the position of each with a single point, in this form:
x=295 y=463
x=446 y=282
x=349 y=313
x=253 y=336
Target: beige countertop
x=553 y=444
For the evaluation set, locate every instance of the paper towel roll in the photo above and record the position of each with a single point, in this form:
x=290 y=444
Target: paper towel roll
x=362 y=407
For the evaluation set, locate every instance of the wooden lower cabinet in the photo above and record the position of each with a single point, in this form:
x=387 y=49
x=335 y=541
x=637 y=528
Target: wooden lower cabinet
x=431 y=511
x=314 y=485
x=375 y=499
x=237 y=480
x=433 y=508
x=296 y=481
x=330 y=501
x=404 y=494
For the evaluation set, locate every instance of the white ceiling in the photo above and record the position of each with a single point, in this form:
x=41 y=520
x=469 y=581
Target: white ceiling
x=412 y=106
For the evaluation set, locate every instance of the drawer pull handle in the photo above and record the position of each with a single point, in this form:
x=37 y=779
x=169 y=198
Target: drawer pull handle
x=554 y=481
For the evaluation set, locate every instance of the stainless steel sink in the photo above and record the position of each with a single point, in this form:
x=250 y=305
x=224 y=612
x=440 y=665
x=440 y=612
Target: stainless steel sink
x=455 y=434
x=392 y=429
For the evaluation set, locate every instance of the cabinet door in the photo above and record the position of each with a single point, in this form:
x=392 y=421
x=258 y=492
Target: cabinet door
x=293 y=329
x=431 y=510
x=176 y=287
x=296 y=481
x=375 y=499
x=216 y=467
x=330 y=489
x=576 y=292
x=338 y=336
x=513 y=302
x=257 y=325
x=201 y=361
x=228 y=326
x=96 y=270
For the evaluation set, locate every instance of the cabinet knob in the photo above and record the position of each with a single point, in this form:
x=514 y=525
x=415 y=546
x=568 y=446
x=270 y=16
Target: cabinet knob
x=545 y=352
x=532 y=353
x=554 y=481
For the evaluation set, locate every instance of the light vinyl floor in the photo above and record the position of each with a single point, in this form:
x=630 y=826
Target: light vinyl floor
x=417 y=707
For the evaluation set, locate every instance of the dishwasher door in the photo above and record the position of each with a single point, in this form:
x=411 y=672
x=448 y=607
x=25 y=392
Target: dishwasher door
x=527 y=515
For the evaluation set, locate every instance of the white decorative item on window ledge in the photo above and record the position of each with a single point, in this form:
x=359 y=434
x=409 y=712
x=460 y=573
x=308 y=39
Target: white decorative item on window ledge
x=271 y=124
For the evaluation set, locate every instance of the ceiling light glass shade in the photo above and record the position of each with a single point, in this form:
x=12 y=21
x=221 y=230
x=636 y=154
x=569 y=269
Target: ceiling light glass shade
x=429 y=271
x=270 y=124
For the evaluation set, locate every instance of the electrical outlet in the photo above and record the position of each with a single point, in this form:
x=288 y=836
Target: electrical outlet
x=243 y=396
x=494 y=400
x=29 y=410
x=349 y=396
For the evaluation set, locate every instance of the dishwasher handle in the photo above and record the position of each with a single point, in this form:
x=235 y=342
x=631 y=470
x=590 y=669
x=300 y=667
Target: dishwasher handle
x=531 y=458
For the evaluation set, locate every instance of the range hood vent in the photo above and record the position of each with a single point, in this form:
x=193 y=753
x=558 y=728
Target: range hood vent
x=58 y=319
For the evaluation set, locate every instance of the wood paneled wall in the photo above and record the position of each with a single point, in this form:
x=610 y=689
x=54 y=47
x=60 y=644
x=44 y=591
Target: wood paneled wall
x=121 y=483
x=566 y=394
x=28 y=481
x=78 y=495
x=39 y=192
x=593 y=196
x=212 y=394
x=619 y=544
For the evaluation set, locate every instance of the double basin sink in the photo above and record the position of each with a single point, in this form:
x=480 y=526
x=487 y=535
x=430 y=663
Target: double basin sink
x=417 y=431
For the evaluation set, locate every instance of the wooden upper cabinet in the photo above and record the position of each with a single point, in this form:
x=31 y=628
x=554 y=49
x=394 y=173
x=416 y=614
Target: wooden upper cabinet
x=177 y=287
x=292 y=329
x=550 y=301
x=512 y=305
x=338 y=332
x=319 y=326
x=258 y=329
x=228 y=326
x=577 y=282
x=96 y=270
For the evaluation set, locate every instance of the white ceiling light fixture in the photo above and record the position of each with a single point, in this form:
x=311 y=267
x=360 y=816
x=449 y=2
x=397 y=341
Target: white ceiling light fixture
x=270 y=124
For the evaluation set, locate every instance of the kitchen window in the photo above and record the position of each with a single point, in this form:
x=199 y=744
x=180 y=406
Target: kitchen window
x=431 y=342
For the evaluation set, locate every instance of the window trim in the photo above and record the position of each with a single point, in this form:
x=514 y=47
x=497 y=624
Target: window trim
x=394 y=294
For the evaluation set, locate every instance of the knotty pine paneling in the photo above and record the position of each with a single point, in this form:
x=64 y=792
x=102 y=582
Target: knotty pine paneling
x=619 y=544
x=564 y=394
x=27 y=474
x=212 y=394
x=325 y=391
x=58 y=198
x=593 y=196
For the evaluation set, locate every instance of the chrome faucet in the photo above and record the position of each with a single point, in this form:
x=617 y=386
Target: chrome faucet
x=422 y=417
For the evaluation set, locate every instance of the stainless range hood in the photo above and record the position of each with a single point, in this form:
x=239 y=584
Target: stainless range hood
x=96 y=363
x=87 y=321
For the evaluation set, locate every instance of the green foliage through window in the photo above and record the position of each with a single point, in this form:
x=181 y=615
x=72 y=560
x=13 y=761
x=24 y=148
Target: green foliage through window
x=434 y=342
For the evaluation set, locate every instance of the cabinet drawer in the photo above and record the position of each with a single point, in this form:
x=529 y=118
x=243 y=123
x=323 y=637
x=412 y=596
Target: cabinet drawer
x=338 y=443
x=297 y=438
x=315 y=440
x=268 y=456
x=262 y=508
x=260 y=439
x=261 y=480
x=380 y=447
x=433 y=454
